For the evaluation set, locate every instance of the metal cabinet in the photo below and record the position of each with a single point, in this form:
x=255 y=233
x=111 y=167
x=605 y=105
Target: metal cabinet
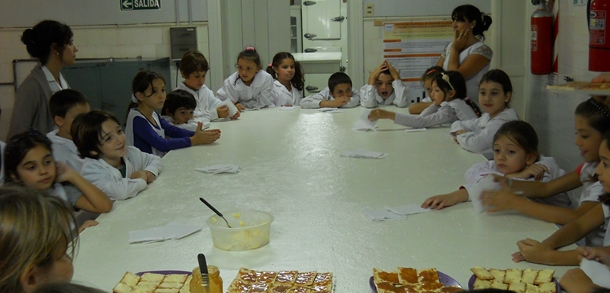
x=107 y=82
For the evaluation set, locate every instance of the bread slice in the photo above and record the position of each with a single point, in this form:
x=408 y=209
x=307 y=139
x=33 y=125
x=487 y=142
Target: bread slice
x=122 y=288
x=152 y=277
x=498 y=274
x=481 y=284
x=513 y=276
x=544 y=276
x=380 y=276
x=427 y=276
x=499 y=285
x=130 y=279
x=407 y=276
x=175 y=278
x=529 y=288
x=529 y=276
x=547 y=288
x=517 y=287
x=482 y=273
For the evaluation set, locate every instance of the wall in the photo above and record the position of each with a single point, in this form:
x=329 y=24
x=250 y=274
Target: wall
x=552 y=114
x=399 y=8
x=129 y=41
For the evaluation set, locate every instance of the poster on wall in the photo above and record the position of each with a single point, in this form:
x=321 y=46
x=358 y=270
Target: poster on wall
x=413 y=47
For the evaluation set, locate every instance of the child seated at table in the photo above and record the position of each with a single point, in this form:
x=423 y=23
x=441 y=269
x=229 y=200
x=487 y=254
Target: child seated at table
x=384 y=88
x=495 y=93
x=121 y=171
x=178 y=111
x=193 y=68
x=426 y=81
x=36 y=242
x=29 y=160
x=515 y=156
x=577 y=279
x=65 y=105
x=449 y=104
x=338 y=94
x=289 y=80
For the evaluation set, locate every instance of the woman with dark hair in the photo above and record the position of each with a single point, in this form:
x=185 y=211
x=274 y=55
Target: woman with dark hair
x=51 y=43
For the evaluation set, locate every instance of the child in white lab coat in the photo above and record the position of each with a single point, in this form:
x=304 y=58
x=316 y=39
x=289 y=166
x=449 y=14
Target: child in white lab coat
x=119 y=170
x=250 y=87
x=426 y=81
x=289 y=80
x=384 y=88
x=515 y=156
x=495 y=93
x=193 y=68
x=449 y=104
x=338 y=94
x=178 y=110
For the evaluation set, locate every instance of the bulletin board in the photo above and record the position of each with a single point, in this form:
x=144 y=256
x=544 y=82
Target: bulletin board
x=406 y=8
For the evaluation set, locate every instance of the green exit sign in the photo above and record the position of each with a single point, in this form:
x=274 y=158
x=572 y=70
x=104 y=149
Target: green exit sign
x=140 y=4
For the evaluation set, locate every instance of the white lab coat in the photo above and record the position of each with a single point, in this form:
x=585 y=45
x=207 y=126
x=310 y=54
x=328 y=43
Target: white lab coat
x=109 y=180
x=190 y=125
x=65 y=151
x=313 y=101
x=206 y=103
x=257 y=95
x=447 y=112
x=369 y=97
x=282 y=96
x=479 y=135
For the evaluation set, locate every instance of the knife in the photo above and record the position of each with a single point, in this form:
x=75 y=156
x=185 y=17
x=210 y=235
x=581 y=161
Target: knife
x=203 y=267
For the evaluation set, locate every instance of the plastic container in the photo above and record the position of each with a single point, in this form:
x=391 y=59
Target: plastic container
x=250 y=230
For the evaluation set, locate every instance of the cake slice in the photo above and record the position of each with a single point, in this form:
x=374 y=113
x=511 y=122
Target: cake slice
x=130 y=279
x=427 y=276
x=482 y=273
x=380 y=276
x=499 y=285
x=517 y=287
x=175 y=278
x=498 y=274
x=529 y=276
x=152 y=277
x=481 y=284
x=122 y=288
x=513 y=276
x=547 y=288
x=407 y=276
x=529 y=288
x=544 y=276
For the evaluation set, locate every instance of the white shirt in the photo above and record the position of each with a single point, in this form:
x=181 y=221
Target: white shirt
x=369 y=97
x=447 y=112
x=65 y=151
x=256 y=95
x=206 y=102
x=282 y=96
x=313 y=101
x=55 y=87
x=480 y=132
x=472 y=84
x=109 y=180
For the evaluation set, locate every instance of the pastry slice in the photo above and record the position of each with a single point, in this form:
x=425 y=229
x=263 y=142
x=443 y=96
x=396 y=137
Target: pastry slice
x=167 y=290
x=122 y=288
x=248 y=276
x=130 y=279
x=387 y=287
x=482 y=273
x=165 y=285
x=498 y=274
x=380 y=276
x=529 y=276
x=407 y=276
x=286 y=277
x=517 y=287
x=425 y=287
x=323 y=279
x=450 y=290
x=152 y=277
x=321 y=289
x=544 y=276
x=266 y=276
x=547 y=288
x=279 y=289
x=175 y=278
x=513 y=276
x=427 y=276
x=529 y=288
x=258 y=287
x=481 y=284
x=499 y=285
x=299 y=289
x=144 y=289
x=305 y=278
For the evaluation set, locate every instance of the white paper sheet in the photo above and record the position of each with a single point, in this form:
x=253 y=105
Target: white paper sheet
x=486 y=183
x=363 y=154
x=232 y=108
x=363 y=122
x=407 y=209
x=416 y=130
x=597 y=272
x=220 y=168
x=382 y=215
x=330 y=110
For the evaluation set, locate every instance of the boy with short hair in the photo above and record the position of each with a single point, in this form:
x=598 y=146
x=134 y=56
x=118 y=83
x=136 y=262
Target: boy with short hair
x=194 y=68
x=384 y=88
x=65 y=105
x=179 y=108
x=338 y=94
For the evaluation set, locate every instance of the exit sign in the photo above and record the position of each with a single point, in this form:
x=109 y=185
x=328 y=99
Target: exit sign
x=127 y=5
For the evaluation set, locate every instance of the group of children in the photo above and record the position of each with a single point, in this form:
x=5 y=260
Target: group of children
x=89 y=160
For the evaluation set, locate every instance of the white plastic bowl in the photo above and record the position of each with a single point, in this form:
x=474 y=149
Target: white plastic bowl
x=250 y=230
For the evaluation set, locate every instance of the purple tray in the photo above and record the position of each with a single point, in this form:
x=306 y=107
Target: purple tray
x=474 y=278
x=442 y=277
x=169 y=272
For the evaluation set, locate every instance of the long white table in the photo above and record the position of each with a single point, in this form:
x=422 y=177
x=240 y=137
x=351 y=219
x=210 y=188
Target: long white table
x=292 y=168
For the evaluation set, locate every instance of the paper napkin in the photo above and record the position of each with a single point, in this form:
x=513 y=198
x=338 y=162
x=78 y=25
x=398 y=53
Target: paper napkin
x=232 y=108
x=407 y=209
x=597 y=272
x=330 y=110
x=416 y=130
x=172 y=230
x=220 y=168
x=363 y=154
x=486 y=183
x=363 y=122
x=382 y=215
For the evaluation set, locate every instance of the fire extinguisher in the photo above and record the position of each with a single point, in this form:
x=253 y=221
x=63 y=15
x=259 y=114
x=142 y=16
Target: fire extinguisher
x=542 y=39
x=599 y=35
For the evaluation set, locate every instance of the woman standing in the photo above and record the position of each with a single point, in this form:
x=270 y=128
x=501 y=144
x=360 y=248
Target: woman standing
x=51 y=43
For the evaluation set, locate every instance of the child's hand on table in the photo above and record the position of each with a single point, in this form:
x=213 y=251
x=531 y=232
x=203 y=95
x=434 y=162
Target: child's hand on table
x=223 y=111
x=150 y=177
x=533 y=251
x=139 y=174
x=240 y=107
x=377 y=114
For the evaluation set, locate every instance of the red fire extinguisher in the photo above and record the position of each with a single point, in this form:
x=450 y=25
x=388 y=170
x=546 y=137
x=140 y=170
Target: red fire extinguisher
x=599 y=35
x=542 y=39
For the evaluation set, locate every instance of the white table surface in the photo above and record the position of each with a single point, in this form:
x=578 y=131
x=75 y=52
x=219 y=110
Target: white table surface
x=292 y=169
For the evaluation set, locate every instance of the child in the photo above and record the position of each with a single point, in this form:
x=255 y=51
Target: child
x=65 y=105
x=338 y=94
x=289 y=80
x=29 y=160
x=194 y=68
x=475 y=135
x=545 y=252
x=119 y=170
x=426 y=80
x=592 y=120
x=449 y=103
x=249 y=87
x=178 y=110
x=577 y=280
x=146 y=131
x=36 y=246
x=385 y=88
x=515 y=156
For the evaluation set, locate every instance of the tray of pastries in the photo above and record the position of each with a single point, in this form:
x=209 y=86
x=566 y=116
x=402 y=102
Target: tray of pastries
x=281 y=281
x=517 y=280
x=154 y=282
x=409 y=280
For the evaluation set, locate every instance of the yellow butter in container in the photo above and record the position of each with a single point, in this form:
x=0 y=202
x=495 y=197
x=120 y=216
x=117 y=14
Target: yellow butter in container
x=250 y=230
x=196 y=285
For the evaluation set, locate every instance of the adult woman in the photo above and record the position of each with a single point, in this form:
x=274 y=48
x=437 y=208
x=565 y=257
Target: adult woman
x=51 y=43
x=466 y=53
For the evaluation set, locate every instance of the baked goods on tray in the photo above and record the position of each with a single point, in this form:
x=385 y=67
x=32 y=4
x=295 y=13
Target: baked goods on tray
x=409 y=280
x=153 y=283
x=281 y=282
x=590 y=88
x=517 y=280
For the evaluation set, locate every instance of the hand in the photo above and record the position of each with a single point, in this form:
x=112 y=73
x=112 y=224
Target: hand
x=460 y=40
x=63 y=172
x=240 y=107
x=223 y=111
x=287 y=105
x=139 y=174
x=374 y=75
x=438 y=202
x=377 y=114
x=517 y=257
x=150 y=177
x=602 y=77
x=533 y=251
x=234 y=117
x=597 y=254
x=502 y=200
x=395 y=73
x=456 y=140
x=461 y=131
x=535 y=171
x=204 y=136
x=575 y=280
x=340 y=101
x=87 y=224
